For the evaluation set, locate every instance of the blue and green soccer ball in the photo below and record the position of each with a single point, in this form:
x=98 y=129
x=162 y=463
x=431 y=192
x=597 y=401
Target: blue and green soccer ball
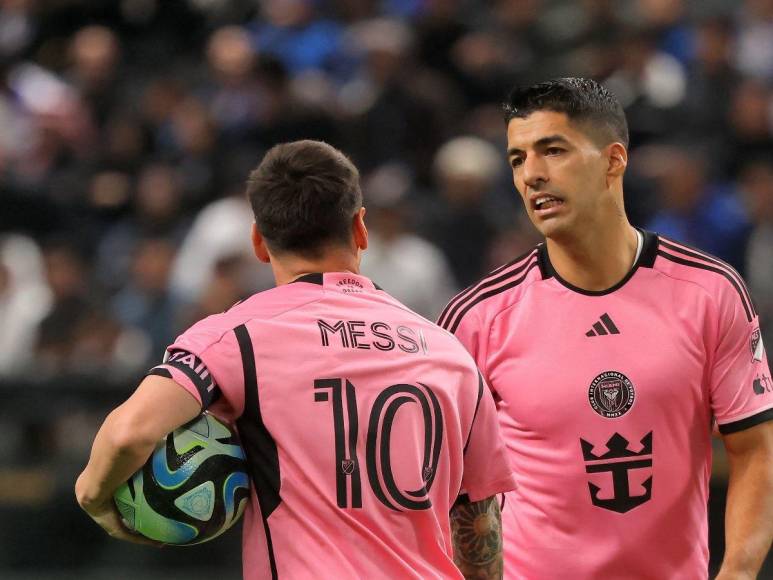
x=193 y=488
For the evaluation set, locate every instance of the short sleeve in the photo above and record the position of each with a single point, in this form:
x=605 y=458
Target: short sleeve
x=740 y=382
x=486 y=466
x=209 y=368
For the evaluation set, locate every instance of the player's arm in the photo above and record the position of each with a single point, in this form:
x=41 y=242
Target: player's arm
x=476 y=530
x=749 y=512
x=124 y=443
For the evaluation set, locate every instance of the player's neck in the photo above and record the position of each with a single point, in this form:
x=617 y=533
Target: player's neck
x=596 y=259
x=290 y=268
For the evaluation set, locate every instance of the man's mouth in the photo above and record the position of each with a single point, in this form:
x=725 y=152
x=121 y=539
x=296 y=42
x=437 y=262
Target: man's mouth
x=544 y=202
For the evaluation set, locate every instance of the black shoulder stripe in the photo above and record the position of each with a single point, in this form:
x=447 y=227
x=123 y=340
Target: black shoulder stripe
x=475 y=414
x=475 y=291
x=704 y=266
x=699 y=254
x=259 y=445
x=747 y=423
x=490 y=280
x=481 y=297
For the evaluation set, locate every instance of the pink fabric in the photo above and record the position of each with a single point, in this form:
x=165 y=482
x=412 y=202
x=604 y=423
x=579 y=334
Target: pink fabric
x=683 y=356
x=303 y=365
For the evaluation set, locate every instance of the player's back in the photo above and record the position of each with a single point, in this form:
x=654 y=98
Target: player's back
x=355 y=414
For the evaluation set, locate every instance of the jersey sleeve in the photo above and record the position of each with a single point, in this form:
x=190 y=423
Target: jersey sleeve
x=740 y=383
x=469 y=331
x=208 y=366
x=486 y=467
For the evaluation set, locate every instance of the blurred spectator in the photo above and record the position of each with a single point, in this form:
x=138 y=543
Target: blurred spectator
x=25 y=299
x=751 y=125
x=95 y=53
x=145 y=302
x=225 y=287
x=219 y=232
x=292 y=109
x=711 y=82
x=17 y=27
x=407 y=266
x=755 y=39
x=157 y=213
x=78 y=335
x=301 y=37
x=465 y=168
x=68 y=278
x=233 y=93
x=756 y=184
x=388 y=112
x=695 y=211
x=192 y=146
x=650 y=84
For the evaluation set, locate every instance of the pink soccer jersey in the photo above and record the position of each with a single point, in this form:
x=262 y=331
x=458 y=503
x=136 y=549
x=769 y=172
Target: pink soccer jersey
x=607 y=402
x=363 y=423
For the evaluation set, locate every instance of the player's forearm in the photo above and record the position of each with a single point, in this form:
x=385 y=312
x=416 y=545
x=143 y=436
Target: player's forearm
x=115 y=456
x=749 y=514
x=476 y=529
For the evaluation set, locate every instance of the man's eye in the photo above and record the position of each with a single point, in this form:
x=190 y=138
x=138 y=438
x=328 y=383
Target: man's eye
x=554 y=151
x=516 y=162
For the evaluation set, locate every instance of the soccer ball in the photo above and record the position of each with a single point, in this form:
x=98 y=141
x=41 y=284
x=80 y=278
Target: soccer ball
x=193 y=488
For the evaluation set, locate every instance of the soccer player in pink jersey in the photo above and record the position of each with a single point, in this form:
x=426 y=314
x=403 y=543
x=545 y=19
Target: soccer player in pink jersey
x=372 y=440
x=612 y=352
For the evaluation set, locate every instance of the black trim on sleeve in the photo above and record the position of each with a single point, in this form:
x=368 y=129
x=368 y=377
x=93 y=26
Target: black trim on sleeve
x=259 y=445
x=747 y=423
x=197 y=372
x=160 y=372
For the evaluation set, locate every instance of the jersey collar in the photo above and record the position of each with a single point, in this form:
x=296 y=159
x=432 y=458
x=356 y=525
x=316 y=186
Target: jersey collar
x=646 y=260
x=338 y=280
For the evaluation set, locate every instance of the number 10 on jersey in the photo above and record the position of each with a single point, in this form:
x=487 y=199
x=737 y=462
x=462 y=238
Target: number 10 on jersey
x=378 y=458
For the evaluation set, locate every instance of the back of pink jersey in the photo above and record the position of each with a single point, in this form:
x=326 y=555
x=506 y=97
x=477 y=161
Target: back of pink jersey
x=363 y=423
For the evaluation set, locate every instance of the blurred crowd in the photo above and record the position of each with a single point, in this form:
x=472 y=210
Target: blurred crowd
x=129 y=128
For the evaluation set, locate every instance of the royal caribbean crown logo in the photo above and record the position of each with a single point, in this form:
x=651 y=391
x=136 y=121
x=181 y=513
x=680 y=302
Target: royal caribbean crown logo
x=611 y=394
x=618 y=462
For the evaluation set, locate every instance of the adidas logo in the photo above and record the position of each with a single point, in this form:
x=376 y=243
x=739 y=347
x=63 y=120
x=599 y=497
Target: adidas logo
x=603 y=326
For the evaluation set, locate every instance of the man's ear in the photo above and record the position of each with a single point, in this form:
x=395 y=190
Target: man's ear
x=618 y=159
x=359 y=229
x=259 y=245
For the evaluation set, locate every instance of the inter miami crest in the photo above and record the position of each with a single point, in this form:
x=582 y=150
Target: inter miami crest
x=611 y=394
x=756 y=346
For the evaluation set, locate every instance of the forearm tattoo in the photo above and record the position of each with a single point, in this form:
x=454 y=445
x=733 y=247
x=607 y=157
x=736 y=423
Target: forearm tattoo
x=476 y=529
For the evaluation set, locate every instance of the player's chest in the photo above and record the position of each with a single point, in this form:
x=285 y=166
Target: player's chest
x=553 y=361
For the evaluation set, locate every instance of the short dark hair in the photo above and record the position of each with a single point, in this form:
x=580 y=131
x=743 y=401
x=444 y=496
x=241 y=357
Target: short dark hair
x=582 y=100
x=304 y=195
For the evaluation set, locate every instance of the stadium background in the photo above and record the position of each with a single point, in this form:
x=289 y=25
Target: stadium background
x=128 y=128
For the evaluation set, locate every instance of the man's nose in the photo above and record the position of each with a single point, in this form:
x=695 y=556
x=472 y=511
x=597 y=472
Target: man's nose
x=534 y=171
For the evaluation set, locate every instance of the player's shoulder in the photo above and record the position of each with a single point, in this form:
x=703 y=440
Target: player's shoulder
x=494 y=292
x=261 y=306
x=691 y=265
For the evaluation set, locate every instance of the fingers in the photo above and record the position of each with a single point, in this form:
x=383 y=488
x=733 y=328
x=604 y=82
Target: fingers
x=109 y=520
